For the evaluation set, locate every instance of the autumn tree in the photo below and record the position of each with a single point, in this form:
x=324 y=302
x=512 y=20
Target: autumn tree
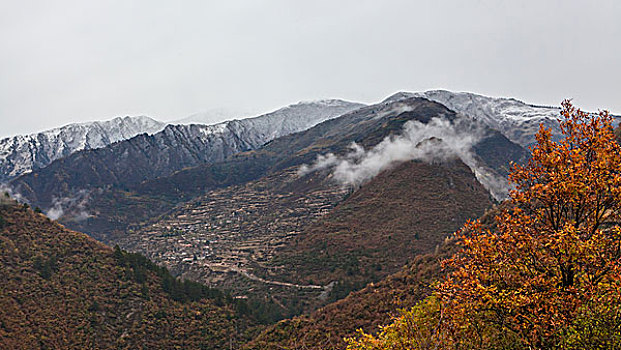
x=548 y=273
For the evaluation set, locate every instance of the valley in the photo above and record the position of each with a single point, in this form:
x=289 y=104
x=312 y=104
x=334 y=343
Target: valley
x=233 y=230
x=330 y=224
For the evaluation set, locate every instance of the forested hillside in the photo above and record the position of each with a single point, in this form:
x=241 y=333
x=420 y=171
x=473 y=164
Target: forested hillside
x=62 y=289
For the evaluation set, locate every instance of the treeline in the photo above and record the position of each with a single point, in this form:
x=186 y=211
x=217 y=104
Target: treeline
x=138 y=267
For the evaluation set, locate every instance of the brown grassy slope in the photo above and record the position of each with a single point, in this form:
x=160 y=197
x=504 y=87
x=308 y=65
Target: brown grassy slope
x=401 y=213
x=61 y=289
x=365 y=309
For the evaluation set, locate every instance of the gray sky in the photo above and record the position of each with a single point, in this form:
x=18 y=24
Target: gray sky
x=68 y=61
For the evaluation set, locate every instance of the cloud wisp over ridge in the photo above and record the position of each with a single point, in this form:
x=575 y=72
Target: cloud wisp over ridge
x=436 y=141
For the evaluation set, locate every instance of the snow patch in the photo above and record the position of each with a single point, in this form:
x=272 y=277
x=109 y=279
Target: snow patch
x=24 y=153
x=515 y=119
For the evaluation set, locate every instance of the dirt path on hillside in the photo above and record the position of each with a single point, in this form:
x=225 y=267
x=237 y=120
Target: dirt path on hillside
x=278 y=283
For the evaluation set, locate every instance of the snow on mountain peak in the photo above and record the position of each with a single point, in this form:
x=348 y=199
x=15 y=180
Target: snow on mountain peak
x=517 y=120
x=220 y=115
x=287 y=120
x=23 y=153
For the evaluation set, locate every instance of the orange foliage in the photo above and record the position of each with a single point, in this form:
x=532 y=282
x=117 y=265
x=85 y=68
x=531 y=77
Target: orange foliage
x=554 y=255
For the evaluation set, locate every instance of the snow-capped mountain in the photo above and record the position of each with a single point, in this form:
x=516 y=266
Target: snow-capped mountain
x=517 y=120
x=290 y=119
x=145 y=157
x=24 y=153
x=212 y=143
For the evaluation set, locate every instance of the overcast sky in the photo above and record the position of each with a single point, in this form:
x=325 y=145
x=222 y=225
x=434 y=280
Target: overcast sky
x=68 y=61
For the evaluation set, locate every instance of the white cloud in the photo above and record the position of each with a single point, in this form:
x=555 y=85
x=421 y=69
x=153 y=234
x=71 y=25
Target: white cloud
x=437 y=141
x=75 y=205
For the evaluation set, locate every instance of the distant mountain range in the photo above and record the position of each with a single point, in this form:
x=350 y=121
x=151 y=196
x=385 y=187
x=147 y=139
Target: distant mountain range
x=127 y=164
x=22 y=154
x=313 y=209
x=146 y=157
x=517 y=120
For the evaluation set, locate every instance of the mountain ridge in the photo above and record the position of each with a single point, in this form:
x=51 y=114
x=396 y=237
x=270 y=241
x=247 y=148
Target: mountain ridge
x=517 y=120
x=146 y=157
x=23 y=153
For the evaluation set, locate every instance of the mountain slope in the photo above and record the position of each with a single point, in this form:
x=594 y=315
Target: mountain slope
x=22 y=154
x=304 y=239
x=147 y=157
x=367 y=309
x=62 y=289
x=402 y=212
x=116 y=209
x=518 y=121
x=273 y=170
x=367 y=127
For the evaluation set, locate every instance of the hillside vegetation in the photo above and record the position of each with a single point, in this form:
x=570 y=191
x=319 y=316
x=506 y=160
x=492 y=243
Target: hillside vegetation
x=401 y=213
x=548 y=274
x=60 y=289
x=511 y=280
